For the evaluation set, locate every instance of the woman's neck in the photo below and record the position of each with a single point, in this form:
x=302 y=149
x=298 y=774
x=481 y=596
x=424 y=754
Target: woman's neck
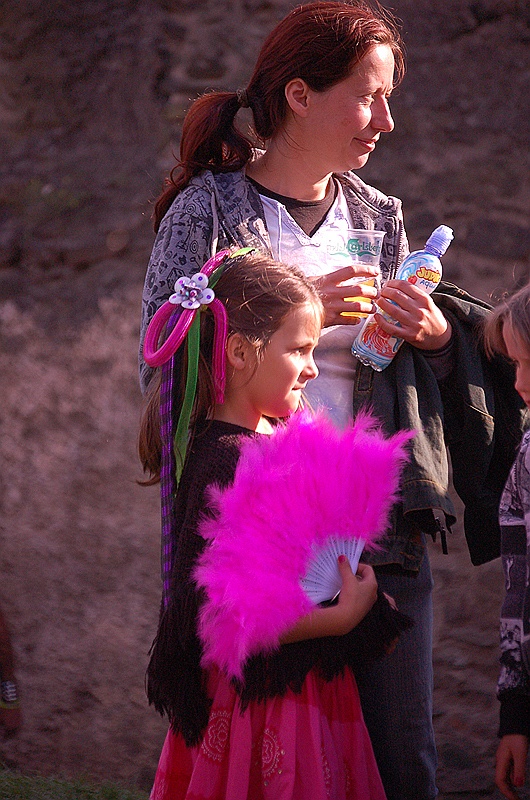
x=285 y=171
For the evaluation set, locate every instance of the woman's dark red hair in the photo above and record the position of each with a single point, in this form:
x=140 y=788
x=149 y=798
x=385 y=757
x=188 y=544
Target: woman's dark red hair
x=320 y=42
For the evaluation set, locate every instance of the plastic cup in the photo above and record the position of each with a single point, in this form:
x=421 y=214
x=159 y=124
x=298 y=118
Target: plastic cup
x=368 y=282
x=356 y=246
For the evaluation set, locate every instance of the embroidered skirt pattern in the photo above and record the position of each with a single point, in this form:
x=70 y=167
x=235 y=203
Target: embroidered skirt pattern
x=313 y=744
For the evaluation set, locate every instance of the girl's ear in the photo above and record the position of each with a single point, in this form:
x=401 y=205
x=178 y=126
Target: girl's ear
x=238 y=351
x=297 y=95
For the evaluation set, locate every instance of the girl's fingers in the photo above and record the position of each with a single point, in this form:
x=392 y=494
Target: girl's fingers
x=365 y=571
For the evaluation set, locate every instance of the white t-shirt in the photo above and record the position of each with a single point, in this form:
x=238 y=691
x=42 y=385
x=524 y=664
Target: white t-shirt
x=333 y=389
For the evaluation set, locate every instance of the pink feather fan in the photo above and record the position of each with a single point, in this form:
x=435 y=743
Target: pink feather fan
x=292 y=491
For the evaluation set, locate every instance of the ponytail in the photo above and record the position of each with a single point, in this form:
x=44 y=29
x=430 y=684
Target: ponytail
x=210 y=140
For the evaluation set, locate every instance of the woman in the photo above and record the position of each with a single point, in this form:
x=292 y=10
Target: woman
x=319 y=96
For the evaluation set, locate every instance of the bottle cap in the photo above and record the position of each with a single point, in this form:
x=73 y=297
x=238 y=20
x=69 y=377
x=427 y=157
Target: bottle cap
x=439 y=240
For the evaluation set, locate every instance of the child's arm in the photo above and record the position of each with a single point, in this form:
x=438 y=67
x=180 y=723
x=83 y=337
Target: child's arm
x=357 y=596
x=510 y=768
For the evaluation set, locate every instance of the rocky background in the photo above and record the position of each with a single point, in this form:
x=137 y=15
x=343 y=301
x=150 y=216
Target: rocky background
x=92 y=95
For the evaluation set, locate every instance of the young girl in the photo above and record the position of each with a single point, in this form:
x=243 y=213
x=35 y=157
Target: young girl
x=228 y=740
x=508 y=332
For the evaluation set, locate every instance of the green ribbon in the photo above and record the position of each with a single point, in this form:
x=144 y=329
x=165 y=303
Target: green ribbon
x=180 y=443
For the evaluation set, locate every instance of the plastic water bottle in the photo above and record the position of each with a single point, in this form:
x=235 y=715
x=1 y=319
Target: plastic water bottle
x=373 y=346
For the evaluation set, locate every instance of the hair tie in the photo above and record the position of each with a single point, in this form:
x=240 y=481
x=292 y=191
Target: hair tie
x=242 y=98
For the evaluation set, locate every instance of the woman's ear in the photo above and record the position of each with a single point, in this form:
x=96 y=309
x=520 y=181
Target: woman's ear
x=238 y=351
x=297 y=95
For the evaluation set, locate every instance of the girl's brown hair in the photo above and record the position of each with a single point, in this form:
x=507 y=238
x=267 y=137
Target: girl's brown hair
x=257 y=293
x=515 y=311
x=320 y=42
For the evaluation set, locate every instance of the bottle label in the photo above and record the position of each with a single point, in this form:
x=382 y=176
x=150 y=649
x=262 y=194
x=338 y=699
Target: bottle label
x=375 y=347
x=421 y=270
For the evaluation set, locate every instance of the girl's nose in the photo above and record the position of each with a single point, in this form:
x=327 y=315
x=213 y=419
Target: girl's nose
x=381 y=116
x=522 y=382
x=310 y=369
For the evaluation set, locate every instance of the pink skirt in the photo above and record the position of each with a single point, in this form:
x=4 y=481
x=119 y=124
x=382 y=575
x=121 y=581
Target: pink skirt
x=308 y=745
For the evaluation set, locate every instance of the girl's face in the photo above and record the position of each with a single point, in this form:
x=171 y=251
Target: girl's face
x=344 y=123
x=520 y=355
x=275 y=385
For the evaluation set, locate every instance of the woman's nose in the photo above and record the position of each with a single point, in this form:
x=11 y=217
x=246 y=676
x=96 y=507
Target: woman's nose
x=381 y=116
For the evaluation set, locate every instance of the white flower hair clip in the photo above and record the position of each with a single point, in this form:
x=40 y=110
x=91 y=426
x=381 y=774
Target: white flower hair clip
x=193 y=292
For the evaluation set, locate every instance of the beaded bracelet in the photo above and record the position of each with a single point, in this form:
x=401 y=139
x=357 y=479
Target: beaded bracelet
x=8 y=695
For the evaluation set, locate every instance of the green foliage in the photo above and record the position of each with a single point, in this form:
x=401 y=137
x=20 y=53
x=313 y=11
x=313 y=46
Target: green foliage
x=14 y=786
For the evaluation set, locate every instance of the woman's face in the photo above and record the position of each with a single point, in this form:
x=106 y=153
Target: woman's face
x=343 y=124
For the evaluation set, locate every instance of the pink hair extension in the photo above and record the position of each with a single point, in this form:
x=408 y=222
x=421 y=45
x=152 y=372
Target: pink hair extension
x=219 y=343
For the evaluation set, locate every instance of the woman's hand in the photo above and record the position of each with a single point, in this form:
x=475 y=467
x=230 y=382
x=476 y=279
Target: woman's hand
x=510 y=768
x=422 y=323
x=333 y=294
x=357 y=596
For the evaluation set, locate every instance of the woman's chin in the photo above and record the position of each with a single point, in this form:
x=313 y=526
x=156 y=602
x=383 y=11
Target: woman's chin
x=359 y=162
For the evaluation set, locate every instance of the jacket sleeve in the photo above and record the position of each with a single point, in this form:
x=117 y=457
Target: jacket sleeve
x=513 y=686
x=484 y=419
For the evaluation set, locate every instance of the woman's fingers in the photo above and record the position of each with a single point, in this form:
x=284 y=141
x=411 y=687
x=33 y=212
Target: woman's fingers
x=421 y=323
x=355 y=281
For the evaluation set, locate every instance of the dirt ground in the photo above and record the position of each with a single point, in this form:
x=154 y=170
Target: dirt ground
x=91 y=99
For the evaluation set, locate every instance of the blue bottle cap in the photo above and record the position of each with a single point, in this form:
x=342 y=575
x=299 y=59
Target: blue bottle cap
x=439 y=240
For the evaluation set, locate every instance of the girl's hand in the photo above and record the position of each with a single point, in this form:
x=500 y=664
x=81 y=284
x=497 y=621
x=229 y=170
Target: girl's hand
x=510 y=768
x=422 y=323
x=332 y=294
x=357 y=596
